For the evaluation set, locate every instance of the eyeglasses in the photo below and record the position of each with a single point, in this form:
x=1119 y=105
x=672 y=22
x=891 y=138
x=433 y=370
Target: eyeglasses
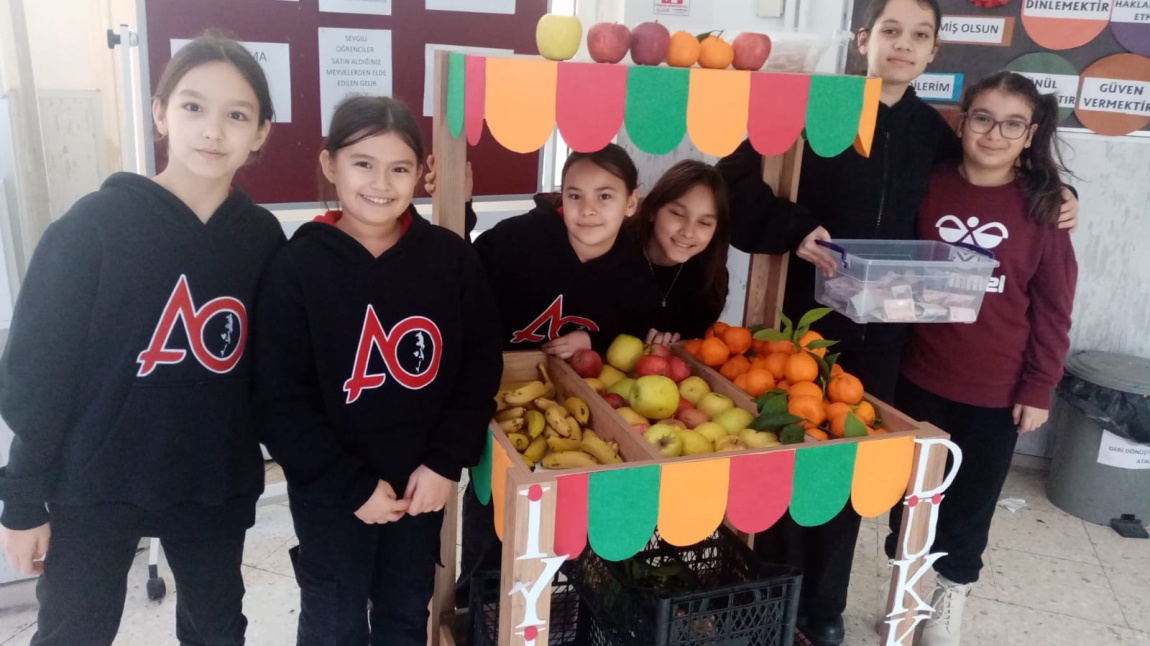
x=982 y=124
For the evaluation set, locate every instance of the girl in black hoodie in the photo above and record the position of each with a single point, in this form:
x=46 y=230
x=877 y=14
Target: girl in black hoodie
x=377 y=364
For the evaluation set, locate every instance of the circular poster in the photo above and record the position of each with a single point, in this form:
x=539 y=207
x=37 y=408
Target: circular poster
x=1052 y=74
x=1114 y=97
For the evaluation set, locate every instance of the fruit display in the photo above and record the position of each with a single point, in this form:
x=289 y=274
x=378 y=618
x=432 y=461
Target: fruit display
x=558 y=36
x=800 y=390
x=675 y=411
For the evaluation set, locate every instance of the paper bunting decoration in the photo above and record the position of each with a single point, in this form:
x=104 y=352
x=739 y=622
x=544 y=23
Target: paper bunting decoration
x=481 y=473
x=760 y=490
x=523 y=100
x=692 y=497
x=500 y=463
x=622 y=505
x=822 y=484
x=571 y=515
x=455 y=92
x=881 y=471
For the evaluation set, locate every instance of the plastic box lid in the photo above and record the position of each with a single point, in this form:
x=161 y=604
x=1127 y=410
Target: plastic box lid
x=1120 y=372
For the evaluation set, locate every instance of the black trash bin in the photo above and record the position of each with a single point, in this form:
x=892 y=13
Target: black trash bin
x=1100 y=465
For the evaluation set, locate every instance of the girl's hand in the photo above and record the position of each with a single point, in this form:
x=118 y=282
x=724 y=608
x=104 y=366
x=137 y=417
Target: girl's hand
x=665 y=338
x=816 y=255
x=1029 y=418
x=382 y=507
x=429 y=178
x=25 y=548
x=1068 y=217
x=427 y=491
x=568 y=344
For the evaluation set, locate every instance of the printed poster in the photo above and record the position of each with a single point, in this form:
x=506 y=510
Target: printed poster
x=352 y=62
x=276 y=61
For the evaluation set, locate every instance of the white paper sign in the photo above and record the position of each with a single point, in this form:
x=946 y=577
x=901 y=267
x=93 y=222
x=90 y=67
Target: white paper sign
x=1115 y=95
x=938 y=87
x=672 y=7
x=1116 y=451
x=1136 y=11
x=973 y=29
x=472 y=6
x=1063 y=85
x=352 y=62
x=276 y=61
x=1070 y=9
x=429 y=68
x=372 y=7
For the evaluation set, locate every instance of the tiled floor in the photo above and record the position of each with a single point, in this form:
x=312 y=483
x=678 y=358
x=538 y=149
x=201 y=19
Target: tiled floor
x=1050 y=580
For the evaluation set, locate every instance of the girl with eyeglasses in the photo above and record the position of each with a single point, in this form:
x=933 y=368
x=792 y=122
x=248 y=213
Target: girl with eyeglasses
x=987 y=381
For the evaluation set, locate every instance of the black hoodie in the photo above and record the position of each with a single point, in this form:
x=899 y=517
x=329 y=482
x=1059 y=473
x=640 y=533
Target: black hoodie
x=368 y=367
x=125 y=377
x=850 y=195
x=544 y=291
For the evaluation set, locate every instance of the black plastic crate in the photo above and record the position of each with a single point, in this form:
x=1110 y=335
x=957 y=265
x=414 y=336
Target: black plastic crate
x=714 y=592
x=569 y=623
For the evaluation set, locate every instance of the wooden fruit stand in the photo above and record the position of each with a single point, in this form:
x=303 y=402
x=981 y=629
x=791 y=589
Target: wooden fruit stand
x=546 y=517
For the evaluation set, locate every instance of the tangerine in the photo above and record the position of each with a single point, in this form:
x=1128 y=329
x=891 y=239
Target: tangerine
x=738 y=339
x=865 y=412
x=715 y=53
x=759 y=381
x=838 y=424
x=836 y=370
x=834 y=409
x=782 y=346
x=802 y=367
x=808 y=408
x=776 y=362
x=760 y=348
x=692 y=347
x=809 y=336
x=782 y=384
x=805 y=389
x=735 y=366
x=683 y=50
x=714 y=352
x=845 y=388
x=741 y=383
x=818 y=434
x=716 y=329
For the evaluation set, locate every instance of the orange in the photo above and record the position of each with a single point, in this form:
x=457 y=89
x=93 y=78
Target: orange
x=761 y=362
x=714 y=352
x=735 y=366
x=760 y=348
x=716 y=329
x=683 y=50
x=782 y=346
x=818 y=434
x=741 y=383
x=834 y=409
x=738 y=339
x=805 y=389
x=777 y=364
x=692 y=347
x=808 y=408
x=715 y=53
x=836 y=370
x=802 y=367
x=865 y=412
x=782 y=384
x=759 y=381
x=809 y=336
x=845 y=388
x=838 y=424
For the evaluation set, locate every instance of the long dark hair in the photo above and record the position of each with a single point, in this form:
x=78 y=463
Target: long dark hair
x=675 y=183
x=361 y=117
x=612 y=158
x=1040 y=164
x=873 y=10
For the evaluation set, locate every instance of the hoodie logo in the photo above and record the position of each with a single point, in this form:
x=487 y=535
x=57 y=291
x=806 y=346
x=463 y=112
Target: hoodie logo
x=988 y=236
x=411 y=350
x=216 y=332
x=554 y=319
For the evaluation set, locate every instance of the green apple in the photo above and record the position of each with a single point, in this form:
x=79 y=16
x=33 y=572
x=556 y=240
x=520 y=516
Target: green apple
x=558 y=36
x=655 y=397
x=758 y=439
x=713 y=403
x=624 y=352
x=630 y=416
x=695 y=443
x=712 y=431
x=665 y=439
x=623 y=387
x=693 y=388
x=729 y=443
x=734 y=419
x=610 y=375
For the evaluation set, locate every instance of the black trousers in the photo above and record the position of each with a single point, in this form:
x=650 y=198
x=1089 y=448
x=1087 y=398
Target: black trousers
x=481 y=548
x=987 y=437
x=82 y=589
x=825 y=553
x=341 y=563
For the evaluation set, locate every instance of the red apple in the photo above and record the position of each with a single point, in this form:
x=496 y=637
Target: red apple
x=650 y=364
x=683 y=405
x=649 y=43
x=692 y=417
x=677 y=369
x=608 y=42
x=586 y=363
x=657 y=349
x=640 y=428
x=751 y=50
x=615 y=400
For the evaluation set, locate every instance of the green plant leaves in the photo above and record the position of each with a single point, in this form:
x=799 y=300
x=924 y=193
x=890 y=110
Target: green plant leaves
x=854 y=426
x=770 y=334
x=792 y=434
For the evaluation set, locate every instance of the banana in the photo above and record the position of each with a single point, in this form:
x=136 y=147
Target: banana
x=574 y=431
x=535 y=423
x=512 y=425
x=542 y=366
x=527 y=461
x=598 y=448
x=543 y=403
x=578 y=409
x=535 y=450
x=549 y=432
x=524 y=394
x=557 y=418
x=519 y=441
x=500 y=405
x=569 y=460
x=510 y=413
x=561 y=444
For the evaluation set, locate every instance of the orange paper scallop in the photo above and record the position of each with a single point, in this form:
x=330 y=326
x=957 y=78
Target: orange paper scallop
x=692 y=499
x=717 y=103
x=882 y=471
x=500 y=463
x=520 y=105
x=865 y=137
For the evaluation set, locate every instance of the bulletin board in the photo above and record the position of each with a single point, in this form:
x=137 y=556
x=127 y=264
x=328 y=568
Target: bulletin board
x=289 y=36
x=1095 y=54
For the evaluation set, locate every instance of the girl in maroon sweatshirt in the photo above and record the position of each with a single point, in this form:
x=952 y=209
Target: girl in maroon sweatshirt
x=987 y=381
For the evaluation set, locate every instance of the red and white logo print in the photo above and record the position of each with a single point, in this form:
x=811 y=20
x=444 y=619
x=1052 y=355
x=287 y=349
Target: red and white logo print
x=554 y=319
x=423 y=354
x=217 y=347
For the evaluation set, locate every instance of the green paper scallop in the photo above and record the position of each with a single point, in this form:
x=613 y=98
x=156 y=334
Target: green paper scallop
x=481 y=472
x=833 y=108
x=622 y=508
x=455 y=76
x=656 y=111
x=822 y=482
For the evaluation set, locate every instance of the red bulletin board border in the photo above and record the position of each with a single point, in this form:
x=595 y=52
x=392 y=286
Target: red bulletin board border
x=287 y=172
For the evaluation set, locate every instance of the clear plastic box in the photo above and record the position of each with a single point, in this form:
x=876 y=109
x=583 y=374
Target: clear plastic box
x=907 y=281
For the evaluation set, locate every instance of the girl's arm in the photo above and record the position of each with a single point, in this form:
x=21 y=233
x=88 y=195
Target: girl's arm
x=287 y=401
x=1051 y=300
x=761 y=221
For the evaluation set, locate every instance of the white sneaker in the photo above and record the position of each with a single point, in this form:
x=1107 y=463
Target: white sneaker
x=944 y=628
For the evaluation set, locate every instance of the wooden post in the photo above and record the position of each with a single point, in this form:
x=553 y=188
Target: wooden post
x=528 y=544
x=443 y=599
x=767 y=275
x=449 y=202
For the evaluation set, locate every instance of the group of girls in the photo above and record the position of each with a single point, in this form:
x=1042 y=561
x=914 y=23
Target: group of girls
x=376 y=339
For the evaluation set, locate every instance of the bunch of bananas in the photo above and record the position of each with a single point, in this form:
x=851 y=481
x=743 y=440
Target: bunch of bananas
x=542 y=429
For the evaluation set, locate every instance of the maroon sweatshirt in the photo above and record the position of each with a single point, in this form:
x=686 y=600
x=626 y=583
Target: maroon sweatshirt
x=1013 y=353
